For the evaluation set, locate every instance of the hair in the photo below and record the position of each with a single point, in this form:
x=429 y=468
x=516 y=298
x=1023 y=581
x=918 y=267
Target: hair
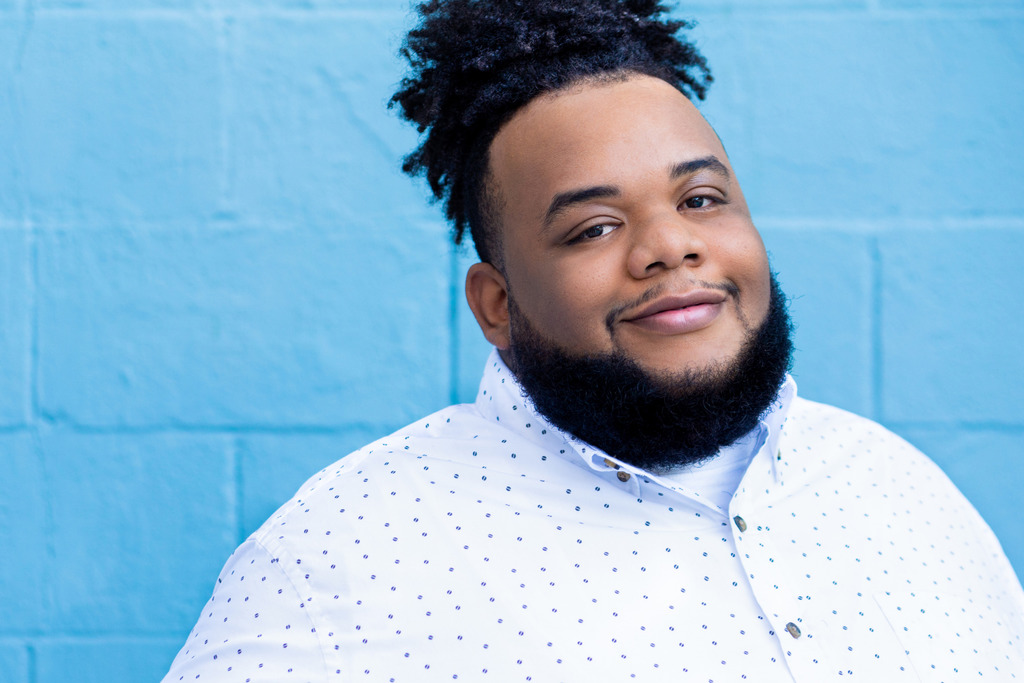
x=475 y=63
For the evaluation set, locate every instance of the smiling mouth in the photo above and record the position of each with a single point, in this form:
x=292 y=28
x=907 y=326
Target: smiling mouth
x=679 y=313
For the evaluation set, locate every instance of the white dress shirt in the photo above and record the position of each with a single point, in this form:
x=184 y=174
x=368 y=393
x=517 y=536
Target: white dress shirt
x=481 y=543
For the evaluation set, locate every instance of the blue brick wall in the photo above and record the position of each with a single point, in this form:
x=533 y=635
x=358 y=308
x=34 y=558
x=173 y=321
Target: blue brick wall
x=214 y=280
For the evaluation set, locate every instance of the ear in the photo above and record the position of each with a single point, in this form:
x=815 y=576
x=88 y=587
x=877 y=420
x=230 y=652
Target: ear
x=487 y=295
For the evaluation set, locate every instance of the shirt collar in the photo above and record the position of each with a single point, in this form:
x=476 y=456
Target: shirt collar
x=501 y=400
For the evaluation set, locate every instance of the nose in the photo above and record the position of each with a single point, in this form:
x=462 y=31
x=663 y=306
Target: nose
x=662 y=243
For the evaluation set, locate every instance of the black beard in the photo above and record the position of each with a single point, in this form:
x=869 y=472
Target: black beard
x=653 y=422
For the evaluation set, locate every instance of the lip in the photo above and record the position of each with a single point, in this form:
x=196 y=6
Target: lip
x=680 y=313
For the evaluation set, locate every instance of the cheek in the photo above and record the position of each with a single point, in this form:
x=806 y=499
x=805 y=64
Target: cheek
x=569 y=303
x=741 y=256
x=763 y=299
x=757 y=285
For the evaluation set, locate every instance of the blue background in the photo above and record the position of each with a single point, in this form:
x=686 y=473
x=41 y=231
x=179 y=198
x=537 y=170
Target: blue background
x=214 y=280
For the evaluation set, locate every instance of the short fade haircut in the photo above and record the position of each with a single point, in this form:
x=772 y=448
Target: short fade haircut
x=475 y=63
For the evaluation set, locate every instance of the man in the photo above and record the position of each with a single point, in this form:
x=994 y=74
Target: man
x=637 y=491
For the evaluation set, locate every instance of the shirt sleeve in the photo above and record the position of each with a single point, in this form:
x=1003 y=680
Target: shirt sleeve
x=255 y=628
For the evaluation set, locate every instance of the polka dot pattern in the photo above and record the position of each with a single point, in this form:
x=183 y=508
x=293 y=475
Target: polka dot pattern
x=481 y=543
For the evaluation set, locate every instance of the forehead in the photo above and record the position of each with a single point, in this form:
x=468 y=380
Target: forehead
x=597 y=133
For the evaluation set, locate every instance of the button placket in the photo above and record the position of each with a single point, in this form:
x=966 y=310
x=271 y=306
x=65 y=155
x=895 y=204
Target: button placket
x=769 y=581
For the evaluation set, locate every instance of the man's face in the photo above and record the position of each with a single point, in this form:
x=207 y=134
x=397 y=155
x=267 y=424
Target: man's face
x=624 y=230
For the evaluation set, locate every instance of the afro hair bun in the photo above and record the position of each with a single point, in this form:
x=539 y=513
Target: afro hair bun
x=474 y=63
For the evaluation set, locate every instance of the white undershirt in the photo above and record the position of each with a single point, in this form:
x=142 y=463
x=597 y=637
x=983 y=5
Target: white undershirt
x=717 y=478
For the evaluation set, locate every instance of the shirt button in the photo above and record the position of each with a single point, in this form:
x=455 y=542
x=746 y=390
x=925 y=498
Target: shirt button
x=793 y=629
x=740 y=524
x=623 y=476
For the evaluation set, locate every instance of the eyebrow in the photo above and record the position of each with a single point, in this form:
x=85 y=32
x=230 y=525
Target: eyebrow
x=708 y=163
x=565 y=200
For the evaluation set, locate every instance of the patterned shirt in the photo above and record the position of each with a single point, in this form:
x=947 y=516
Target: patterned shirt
x=481 y=543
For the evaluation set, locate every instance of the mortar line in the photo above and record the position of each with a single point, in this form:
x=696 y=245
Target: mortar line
x=34 y=408
x=205 y=12
x=226 y=202
x=33 y=668
x=28 y=16
x=49 y=519
x=84 y=636
x=454 y=337
x=15 y=429
x=33 y=426
x=876 y=321
x=871 y=7
x=215 y=429
x=235 y=465
x=30 y=231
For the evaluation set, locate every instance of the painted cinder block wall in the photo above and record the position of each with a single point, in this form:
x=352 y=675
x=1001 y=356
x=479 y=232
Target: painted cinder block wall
x=214 y=280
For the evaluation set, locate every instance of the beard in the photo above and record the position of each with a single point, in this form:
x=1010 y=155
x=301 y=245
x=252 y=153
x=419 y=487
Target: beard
x=654 y=422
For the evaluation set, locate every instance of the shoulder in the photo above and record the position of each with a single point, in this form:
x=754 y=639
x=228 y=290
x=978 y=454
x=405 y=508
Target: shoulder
x=836 y=455
x=820 y=441
x=810 y=417
x=832 y=454
x=811 y=424
x=452 y=443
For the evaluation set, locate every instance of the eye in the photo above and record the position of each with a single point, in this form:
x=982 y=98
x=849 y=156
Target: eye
x=593 y=232
x=699 y=202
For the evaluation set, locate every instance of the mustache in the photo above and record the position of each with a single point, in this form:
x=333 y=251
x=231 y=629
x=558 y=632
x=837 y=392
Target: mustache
x=656 y=291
